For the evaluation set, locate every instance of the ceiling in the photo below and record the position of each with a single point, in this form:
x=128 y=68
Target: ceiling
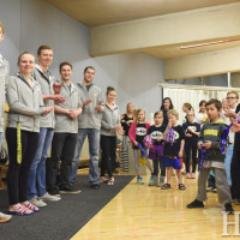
x=100 y=12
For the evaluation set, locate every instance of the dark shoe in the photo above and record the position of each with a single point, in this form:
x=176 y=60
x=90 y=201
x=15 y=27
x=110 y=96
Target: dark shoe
x=69 y=189
x=195 y=204
x=166 y=186
x=181 y=187
x=228 y=208
x=95 y=186
x=54 y=191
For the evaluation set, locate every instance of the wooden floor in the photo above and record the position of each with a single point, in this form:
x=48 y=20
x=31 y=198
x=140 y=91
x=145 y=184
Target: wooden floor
x=143 y=212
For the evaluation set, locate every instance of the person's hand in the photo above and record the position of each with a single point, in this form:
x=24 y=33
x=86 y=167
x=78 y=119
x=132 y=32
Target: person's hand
x=73 y=114
x=188 y=135
x=58 y=98
x=180 y=154
x=99 y=108
x=47 y=110
x=86 y=102
x=235 y=126
x=207 y=144
x=118 y=129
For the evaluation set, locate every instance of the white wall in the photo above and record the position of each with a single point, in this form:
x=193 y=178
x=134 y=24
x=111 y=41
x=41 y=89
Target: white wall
x=30 y=23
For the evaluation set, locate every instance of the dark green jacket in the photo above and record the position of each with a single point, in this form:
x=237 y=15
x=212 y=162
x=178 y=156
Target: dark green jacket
x=212 y=132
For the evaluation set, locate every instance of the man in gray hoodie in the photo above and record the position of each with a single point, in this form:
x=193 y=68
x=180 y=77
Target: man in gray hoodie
x=89 y=125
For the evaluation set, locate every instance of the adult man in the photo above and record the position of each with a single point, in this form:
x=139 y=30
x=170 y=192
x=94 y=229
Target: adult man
x=37 y=177
x=89 y=125
x=4 y=70
x=65 y=133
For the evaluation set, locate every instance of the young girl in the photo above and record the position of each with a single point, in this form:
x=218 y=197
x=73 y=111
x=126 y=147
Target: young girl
x=191 y=133
x=126 y=121
x=173 y=149
x=154 y=141
x=137 y=132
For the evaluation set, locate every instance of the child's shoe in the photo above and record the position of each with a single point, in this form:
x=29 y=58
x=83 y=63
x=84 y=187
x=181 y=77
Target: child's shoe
x=140 y=180
x=228 y=208
x=195 y=204
x=181 y=187
x=152 y=181
x=166 y=186
x=161 y=180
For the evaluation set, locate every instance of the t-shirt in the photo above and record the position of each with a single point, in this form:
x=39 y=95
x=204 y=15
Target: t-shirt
x=237 y=136
x=172 y=149
x=156 y=134
x=188 y=127
x=126 y=122
x=141 y=132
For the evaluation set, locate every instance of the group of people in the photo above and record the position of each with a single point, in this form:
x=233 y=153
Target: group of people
x=47 y=123
x=49 y=119
x=208 y=138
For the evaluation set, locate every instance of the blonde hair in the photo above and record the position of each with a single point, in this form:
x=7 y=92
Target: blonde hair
x=2 y=27
x=174 y=113
x=136 y=113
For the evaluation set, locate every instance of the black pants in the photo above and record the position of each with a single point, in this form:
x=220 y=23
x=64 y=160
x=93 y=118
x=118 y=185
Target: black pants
x=17 y=175
x=235 y=168
x=190 y=155
x=108 y=159
x=60 y=163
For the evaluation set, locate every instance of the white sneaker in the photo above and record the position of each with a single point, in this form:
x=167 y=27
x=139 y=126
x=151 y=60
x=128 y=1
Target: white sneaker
x=49 y=197
x=4 y=217
x=38 y=202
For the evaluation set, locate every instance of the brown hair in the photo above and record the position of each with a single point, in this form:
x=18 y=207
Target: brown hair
x=20 y=56
x=88 y=67
x=233 y=92
x=41 y=48
x=110 y=89
x=216 y=103
x=188 y=106
x=158 y=113
x=62 y=64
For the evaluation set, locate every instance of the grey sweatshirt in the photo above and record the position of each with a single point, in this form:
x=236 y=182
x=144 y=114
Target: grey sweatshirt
x=72 y=101
x=110 y=118
x=90 y=118
x=25 y=104
x=46 y=82
x=4 y=71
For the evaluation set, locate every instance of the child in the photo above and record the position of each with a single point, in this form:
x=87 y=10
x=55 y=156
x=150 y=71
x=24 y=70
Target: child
x=191 y=132
x=210 y=142
x=137 y=132
x=154 y=141
x=173 y=149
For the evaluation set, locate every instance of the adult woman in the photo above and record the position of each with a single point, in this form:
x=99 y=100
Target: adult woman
x=110 y=127
x=24 y=99
x=165 y=107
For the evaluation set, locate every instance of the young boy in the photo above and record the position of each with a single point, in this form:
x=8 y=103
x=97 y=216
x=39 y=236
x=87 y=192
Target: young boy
x=210 y=142
x=173 y=149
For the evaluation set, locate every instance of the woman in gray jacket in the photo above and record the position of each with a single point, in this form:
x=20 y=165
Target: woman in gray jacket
x=110 y=128
x=25 y=101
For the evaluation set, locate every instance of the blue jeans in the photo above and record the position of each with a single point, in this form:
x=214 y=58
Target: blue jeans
x=37 y=174
x=94 y=142
x=1 y=138
x=228 y=162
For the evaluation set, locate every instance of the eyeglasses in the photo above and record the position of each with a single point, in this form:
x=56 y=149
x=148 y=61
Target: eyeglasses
x=231 y=97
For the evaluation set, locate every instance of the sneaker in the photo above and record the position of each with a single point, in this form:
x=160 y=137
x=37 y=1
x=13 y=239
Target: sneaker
x=195 y=204
x=19 y=210
x=151 y=181
x=166 y=186
x=38 y=202
x=95 y=186
x=161 y=180
x=111 y=181
x=228 y=208
x=140 y=180
x=5 y=217
x=181 y=187
x=30 y=206
x=104 y=179
x=69 y=189
x=49 y=197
